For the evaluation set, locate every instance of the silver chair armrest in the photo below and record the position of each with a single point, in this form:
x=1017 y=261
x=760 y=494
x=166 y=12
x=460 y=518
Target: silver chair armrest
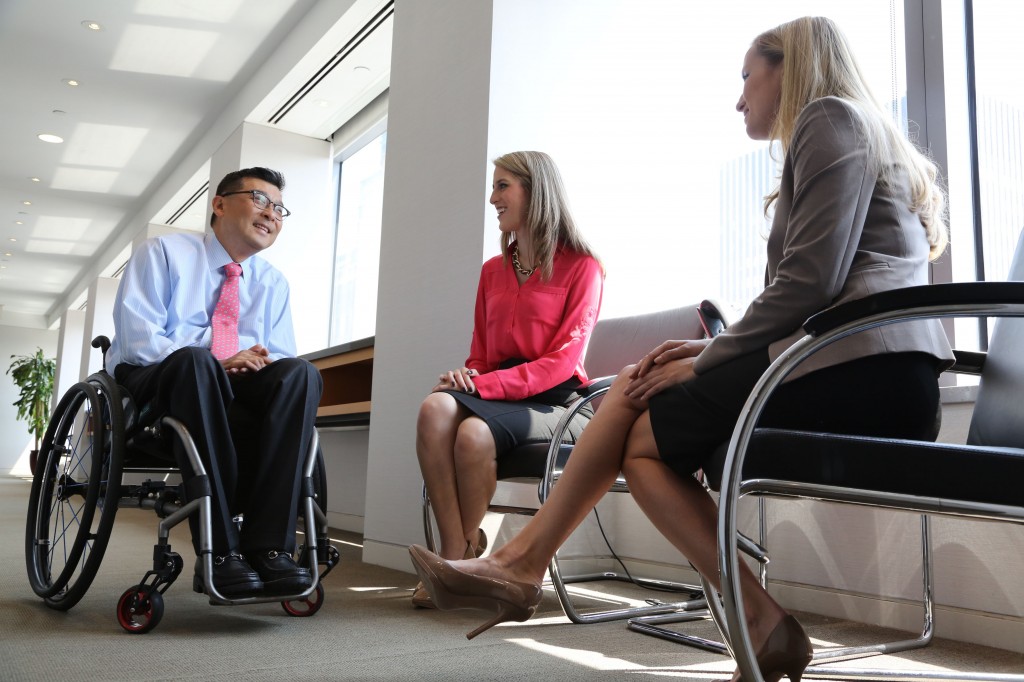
x=592 y=390
x=972 y=299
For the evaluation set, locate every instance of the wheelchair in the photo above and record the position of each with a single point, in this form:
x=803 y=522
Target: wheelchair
x=101 y=453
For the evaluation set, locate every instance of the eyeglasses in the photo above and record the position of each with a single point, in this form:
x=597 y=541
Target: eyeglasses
x=261 y=201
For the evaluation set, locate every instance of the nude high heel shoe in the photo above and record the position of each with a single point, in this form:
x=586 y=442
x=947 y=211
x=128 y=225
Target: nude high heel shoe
x=450 y=589
x=787 y=651
x=420 y=596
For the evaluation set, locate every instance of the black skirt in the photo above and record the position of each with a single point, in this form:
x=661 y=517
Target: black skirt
x=892 y=395
x=533 y=420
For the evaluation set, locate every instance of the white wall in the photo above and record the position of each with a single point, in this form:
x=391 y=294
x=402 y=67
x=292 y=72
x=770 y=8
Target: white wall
x=345 y=462
x=99 y=321
x=69 y=364
x=17 y=441
x=432 y=244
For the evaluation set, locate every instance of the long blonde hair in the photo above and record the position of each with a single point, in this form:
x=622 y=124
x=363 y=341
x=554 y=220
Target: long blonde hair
x=548 y=220
x=817 y=62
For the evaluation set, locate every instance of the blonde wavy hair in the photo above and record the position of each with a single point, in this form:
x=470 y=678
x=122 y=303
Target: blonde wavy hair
x=817 y=62
x=548 y=219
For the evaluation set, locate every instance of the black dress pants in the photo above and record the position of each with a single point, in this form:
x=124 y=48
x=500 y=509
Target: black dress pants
x=252 y=432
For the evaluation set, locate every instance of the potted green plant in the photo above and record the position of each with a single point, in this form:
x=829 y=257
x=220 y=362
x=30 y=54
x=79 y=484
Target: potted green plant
x=33 y=375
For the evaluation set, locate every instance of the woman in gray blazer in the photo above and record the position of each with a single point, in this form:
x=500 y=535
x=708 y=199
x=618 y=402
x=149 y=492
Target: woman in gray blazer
x=856 y=211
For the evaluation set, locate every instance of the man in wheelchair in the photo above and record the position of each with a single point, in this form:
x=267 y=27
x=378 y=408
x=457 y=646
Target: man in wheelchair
x=203 y=333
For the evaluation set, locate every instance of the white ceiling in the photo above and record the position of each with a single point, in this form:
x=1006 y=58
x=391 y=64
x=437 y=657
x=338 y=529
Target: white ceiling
x=156 y=83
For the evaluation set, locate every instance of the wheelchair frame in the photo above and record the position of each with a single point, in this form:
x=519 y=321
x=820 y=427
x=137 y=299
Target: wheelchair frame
x=78 y=486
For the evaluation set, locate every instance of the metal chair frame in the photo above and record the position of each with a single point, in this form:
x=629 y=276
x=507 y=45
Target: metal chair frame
x=958 y=300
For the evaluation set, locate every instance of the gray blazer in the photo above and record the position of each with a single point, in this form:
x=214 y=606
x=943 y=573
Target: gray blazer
x=837 y=235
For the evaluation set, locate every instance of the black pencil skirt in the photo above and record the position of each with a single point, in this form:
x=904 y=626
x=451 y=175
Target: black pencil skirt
x=519 y=422
x=893 y=395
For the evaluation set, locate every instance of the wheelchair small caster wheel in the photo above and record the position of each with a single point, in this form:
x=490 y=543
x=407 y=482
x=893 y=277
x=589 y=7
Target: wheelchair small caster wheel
x=305 y=607
x=140 y=609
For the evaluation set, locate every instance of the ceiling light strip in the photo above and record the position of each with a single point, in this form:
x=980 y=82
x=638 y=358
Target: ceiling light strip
x=372 y=25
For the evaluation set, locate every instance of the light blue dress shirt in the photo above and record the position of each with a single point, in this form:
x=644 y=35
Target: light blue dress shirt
x=168 y=292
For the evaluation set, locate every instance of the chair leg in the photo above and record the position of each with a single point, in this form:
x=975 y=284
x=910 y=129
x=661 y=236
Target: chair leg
x=649 y=625
x=712 y=608
x=654 y=607
x=927 y=630
x=428 y=526
x=552 y=472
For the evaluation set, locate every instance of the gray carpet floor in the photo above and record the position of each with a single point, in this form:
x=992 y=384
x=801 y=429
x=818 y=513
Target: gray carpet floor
x=366 y=630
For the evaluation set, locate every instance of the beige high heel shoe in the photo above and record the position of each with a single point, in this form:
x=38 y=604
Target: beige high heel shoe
x=450 y=588
x=420 y=596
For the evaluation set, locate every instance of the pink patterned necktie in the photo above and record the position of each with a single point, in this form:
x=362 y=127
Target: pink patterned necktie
x=225 y=315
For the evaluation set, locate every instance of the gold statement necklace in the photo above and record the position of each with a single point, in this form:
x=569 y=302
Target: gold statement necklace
x=515 y=261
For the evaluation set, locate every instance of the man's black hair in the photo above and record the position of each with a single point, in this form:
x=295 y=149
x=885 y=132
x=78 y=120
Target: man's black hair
x=233 y=181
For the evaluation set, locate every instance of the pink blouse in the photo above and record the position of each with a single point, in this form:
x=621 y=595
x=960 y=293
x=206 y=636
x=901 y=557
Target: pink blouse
x=546 y=323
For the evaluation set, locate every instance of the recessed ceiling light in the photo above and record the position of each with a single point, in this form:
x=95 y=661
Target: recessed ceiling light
x=18 y=222
x=58 y=112
x=8 y=254
x=70 y=81
x=35 y=179
x=52 y=139
x=92 y=25
x=12 y=239
x=27 y=203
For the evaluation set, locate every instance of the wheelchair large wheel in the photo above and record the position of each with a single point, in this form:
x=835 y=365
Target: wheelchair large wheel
x=75 y=492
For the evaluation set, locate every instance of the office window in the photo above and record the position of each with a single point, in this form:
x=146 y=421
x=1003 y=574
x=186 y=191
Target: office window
x=637 y=106
x=1000 y=131
x=357 y=247
x=986 y=163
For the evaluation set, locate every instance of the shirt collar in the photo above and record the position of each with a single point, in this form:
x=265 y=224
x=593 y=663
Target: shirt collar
x=217 y=257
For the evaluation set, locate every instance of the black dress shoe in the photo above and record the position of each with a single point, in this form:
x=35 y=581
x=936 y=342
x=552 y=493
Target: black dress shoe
x=232 y=576
x=279 y=573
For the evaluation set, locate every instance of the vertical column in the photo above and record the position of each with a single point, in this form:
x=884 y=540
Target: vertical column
x=305 y=246
x=69 y=352
x=99 y=319
x=432 y=243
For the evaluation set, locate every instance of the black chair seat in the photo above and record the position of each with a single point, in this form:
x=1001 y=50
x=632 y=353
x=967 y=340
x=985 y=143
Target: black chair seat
x=528 y=461
x=886 y=465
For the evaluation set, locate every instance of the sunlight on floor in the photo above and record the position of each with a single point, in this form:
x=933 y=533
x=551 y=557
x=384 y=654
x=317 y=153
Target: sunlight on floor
x=592 y=659
x=598 y=661
x=604 y=597
x=299 y=531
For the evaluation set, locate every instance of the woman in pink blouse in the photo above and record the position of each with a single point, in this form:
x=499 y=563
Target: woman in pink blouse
x=535 y=307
